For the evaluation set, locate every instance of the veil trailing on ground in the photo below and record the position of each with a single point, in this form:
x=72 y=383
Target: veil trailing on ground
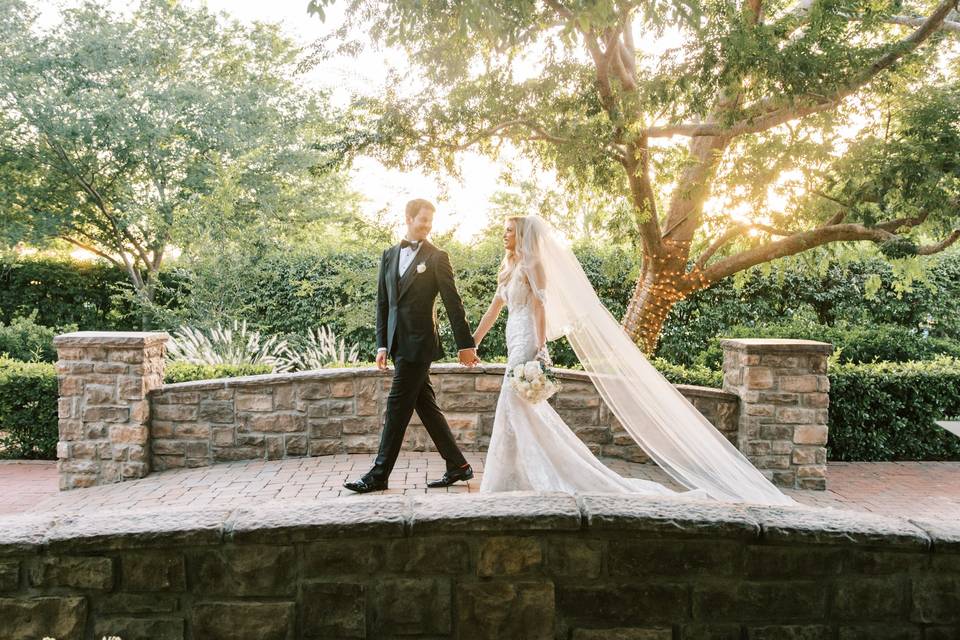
x=664 y=423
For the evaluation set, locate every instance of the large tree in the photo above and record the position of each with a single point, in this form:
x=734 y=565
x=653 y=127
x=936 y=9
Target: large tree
x=803 y=124
x=127 y=135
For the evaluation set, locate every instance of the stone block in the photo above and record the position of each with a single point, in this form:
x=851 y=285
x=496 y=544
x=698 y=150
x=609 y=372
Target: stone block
x=758 y=378
x=295 y=445
x=881 y=632
x=411 y=556
x=810 y=434
x=342 y=389
x=329 y=558
x=106 y=414
x=674 y=557
x=795 y=415
x=936 y=599
x=61 y=618
x=313 y=390
x=776 y=562
x=411 y=606
x=663 y=633
x=246 y=570
x=790 y=632
x=72 y=571
x=643 y=602
x=100 y=394
x=333 y=610
x=139 y=628
x=575 y=558
x=243 y=620
x=508 y=555
x=278 y=422
x=699 y=631
x=325 y=446
x=129 y=434
x=222 y=436
x=218 y=412
x=871 y=599
x=124 y=603
x=178 y=412
x=522 y=610
x=254 y=402
x=800 y=384
x=746 y=600
x=153 y=571
x=9 y=575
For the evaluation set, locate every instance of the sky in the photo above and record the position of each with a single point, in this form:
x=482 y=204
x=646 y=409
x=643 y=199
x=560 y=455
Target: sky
x=461 y=206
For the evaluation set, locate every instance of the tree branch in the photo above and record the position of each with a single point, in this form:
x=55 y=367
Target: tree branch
x=930 y=249
x=791 y=245
x=772 y=112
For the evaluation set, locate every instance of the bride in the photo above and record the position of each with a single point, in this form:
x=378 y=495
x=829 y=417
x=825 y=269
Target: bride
x=547 y=295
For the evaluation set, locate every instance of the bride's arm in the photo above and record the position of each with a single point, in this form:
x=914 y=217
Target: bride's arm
x=538 y=281
x=488 y=319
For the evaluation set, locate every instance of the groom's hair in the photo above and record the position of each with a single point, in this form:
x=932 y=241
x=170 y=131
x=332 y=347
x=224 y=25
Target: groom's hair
x=414 y=206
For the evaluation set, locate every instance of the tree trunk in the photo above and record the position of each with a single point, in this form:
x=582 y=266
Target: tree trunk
x=662 y=283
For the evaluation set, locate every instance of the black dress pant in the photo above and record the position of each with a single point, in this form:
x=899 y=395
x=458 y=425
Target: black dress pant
x=411 y=391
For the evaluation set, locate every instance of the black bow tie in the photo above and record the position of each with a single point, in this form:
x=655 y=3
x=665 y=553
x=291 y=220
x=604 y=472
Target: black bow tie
x=413 y=244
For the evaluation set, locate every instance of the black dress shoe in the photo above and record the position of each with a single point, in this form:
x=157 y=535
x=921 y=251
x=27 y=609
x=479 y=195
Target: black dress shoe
x=452 y=476
x=365 y=485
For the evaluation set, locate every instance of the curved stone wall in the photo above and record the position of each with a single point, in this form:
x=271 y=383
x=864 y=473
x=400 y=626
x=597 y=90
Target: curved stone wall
x=533 y=566
x=117 y=422
x=341 y=411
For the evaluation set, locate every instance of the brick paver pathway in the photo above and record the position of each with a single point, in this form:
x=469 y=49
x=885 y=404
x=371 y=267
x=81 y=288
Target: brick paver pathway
x=906 y=489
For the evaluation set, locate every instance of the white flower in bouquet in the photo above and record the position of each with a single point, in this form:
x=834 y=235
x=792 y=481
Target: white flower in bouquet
x=532 y=370
x=518 y=372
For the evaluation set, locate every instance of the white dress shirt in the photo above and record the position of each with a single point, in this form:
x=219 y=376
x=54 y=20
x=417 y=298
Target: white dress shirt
x=407 y=256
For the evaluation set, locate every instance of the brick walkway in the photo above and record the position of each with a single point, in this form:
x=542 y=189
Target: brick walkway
x=906 y=489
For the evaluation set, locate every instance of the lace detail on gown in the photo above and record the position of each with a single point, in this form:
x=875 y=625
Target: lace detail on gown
x=532 y=448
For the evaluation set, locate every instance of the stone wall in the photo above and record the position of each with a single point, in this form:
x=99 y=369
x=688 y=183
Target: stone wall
x=527 y=566
x=117 y=421
x=784 y=403
x=104 y=414
x=341 y=411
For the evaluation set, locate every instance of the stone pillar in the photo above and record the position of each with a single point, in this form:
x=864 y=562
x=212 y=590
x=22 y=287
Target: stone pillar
x=784 y=401
x=104 y=379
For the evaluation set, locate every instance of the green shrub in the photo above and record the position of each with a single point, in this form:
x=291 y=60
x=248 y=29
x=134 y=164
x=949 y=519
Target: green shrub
x=886 y=411
x=28 y=410
x=186 y=372
x=25 y=340
x=695 y=375
x=880 y=343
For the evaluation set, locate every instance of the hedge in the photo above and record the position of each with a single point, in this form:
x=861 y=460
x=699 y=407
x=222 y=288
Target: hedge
x=878 y=412
x=28 y=410
x=886 y=411
x=28 y=402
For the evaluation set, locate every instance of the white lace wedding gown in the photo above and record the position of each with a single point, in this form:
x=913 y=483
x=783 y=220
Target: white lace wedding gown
x=532 y=448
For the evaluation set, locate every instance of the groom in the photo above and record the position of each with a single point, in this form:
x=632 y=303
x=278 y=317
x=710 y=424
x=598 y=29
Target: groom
x=412 y=273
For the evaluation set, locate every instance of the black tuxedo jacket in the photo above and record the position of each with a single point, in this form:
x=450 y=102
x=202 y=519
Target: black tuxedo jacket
x=406 y=307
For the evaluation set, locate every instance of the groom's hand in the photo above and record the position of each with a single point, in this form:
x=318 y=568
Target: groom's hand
x=382 y=359
x=468 y=357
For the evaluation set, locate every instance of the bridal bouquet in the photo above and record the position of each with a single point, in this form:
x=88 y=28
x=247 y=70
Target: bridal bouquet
x=533 y=382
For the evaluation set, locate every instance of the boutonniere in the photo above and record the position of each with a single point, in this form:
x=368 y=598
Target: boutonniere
x=421 y=267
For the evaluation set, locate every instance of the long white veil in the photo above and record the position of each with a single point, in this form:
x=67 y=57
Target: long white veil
x=664 y=423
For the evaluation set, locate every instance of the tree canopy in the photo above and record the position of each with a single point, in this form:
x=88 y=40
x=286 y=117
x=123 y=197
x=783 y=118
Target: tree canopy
x=170 y=127
x=731 y=133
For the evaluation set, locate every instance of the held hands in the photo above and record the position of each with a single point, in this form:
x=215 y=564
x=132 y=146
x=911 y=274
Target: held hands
x=468 y=357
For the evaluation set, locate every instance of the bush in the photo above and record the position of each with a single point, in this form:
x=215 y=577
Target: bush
x=27 y=341
x=886 y=411
x=186 y=372
x=883 y=343
x=695 y=375
x=28 y=410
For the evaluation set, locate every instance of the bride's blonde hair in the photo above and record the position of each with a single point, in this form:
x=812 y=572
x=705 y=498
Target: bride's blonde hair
x=524 y=255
